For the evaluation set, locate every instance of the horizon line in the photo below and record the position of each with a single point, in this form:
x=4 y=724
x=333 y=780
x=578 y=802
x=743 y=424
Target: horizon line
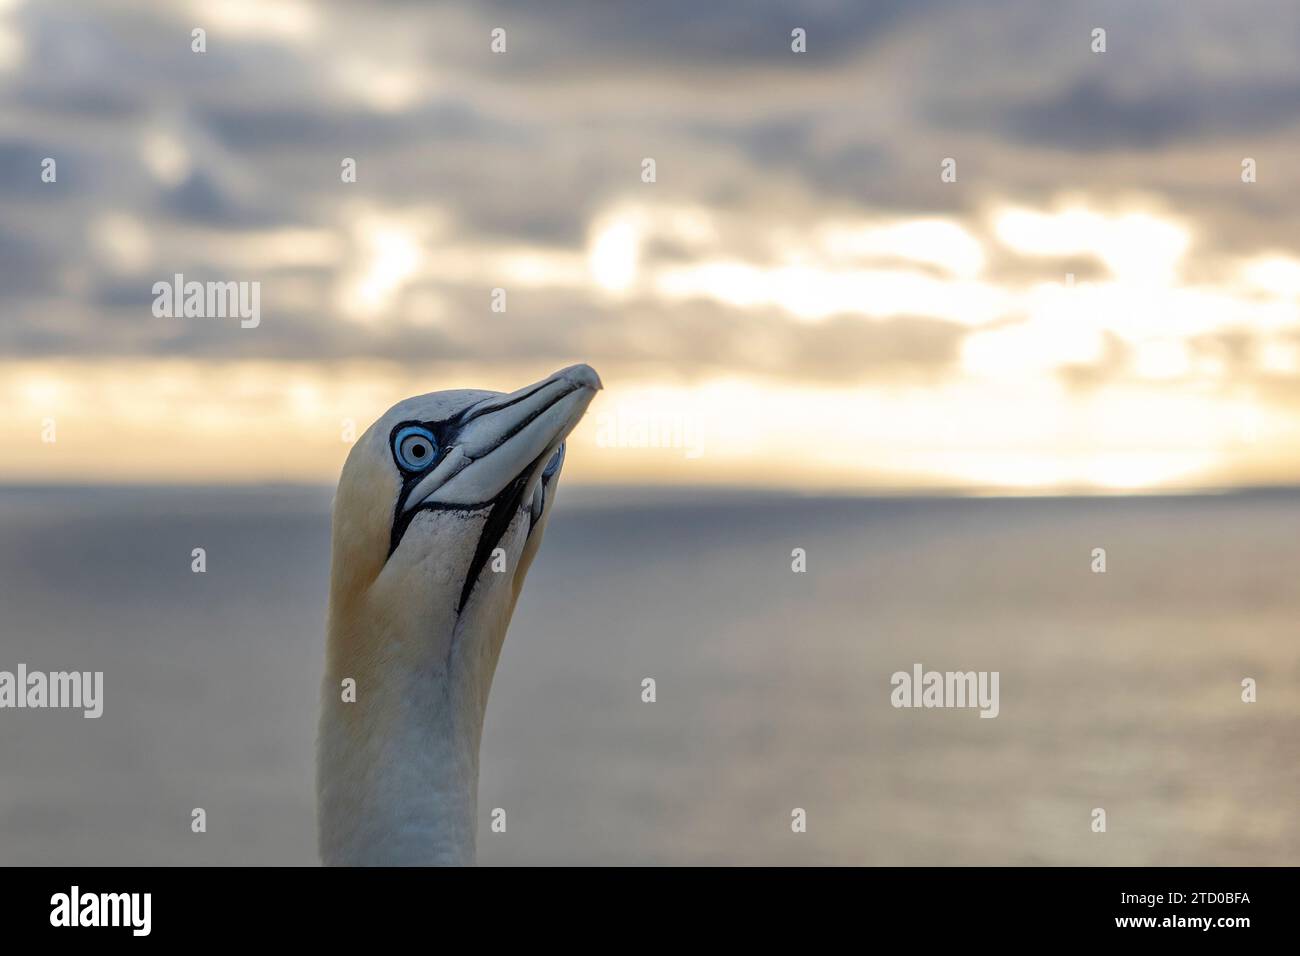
x=711 y=488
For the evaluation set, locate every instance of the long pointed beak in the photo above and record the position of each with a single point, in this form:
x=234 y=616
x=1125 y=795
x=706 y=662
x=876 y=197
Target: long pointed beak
x=505 y=437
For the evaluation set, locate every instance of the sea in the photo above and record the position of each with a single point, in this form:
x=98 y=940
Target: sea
x=1163 y=691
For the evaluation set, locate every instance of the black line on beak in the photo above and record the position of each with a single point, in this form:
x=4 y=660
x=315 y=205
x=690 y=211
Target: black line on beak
x=477 y=410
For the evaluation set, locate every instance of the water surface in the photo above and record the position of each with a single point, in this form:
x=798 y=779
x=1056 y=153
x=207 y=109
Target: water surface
x=1118 y=690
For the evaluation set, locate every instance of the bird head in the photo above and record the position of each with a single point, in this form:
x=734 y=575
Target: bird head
x=439 y=510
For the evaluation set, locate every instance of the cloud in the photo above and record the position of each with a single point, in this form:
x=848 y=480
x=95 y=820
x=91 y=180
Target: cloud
x=504 y=168
x=675 y=34
x=1090 y=115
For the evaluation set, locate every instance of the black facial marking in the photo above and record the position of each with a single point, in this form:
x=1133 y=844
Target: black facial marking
x=442 y=431
x=501 y=509
x=504 y=508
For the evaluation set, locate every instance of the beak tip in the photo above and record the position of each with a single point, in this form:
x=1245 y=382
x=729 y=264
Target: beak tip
x=584 y=375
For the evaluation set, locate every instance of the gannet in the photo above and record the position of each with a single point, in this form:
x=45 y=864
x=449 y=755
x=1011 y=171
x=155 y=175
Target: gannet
x=440 y=508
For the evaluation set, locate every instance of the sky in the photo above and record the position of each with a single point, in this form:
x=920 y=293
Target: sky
x=949 y=246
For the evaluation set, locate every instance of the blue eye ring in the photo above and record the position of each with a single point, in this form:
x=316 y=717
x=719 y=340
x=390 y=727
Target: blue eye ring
x=414 y=448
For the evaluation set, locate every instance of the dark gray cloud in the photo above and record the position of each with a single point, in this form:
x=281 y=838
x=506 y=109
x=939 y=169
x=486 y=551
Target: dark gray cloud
x=26 y=268
x=20 y=172
x=1090 y=115
x=319 y=127
x=525 y=149
x=562 y=38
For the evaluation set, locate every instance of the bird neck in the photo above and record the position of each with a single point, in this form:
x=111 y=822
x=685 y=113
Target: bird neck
x=398 y=765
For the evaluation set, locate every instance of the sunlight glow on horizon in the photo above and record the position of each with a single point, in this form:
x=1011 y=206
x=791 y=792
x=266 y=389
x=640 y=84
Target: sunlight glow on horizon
x=1169 y=411
x=172 y=420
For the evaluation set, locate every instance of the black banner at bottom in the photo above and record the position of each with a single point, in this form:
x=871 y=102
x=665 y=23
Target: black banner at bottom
x=695 y=905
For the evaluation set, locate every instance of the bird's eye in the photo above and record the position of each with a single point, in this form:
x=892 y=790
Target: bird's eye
x=414 y=448
x=553 y=465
